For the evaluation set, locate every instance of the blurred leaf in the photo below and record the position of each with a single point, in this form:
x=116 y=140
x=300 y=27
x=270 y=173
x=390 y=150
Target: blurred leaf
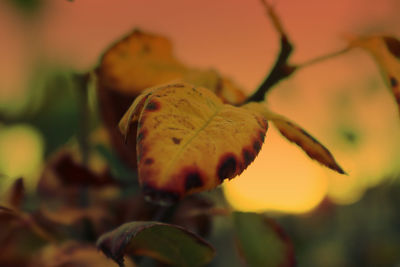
x=142 y=60
x=16 y=194
x=72 y=254
x=386 y=52
x=189 y=141
x=299 y=136
x=71 y=172
x=27 y=7
x=20 y=237
x=262 y=242
x=167 y=243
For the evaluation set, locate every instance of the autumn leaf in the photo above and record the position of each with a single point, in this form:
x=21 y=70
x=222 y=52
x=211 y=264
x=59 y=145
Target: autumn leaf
x=142 y=60
x=139 y=61
x=261 y=241
x=189 y=141
x=299 y=136
x=166 y=243
x=386 y=52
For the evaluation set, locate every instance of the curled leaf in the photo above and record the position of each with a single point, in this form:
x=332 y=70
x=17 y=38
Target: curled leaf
x=166 y=243
x=262 y=242
x=189 y=141
x=299 y=136
x=386 y=52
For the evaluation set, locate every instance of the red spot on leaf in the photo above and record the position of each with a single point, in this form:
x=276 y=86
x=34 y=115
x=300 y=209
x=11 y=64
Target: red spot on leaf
x=248 y=156
x=153 y=105
x=149 y=161
x=393 y=82
x=227 y=167
x=193 y=178
x=176 y=141
x=257 y=145
x=393 y=46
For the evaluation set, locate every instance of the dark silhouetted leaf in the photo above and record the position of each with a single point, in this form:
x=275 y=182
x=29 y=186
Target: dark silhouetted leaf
x=166 y=243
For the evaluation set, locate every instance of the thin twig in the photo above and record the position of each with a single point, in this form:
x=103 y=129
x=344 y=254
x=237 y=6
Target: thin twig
x=81 y=82
x=281 y=69
x=322 y=58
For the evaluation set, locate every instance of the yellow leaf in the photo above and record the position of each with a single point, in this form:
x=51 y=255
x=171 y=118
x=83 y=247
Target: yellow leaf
x=386 y=52
x=188 y=140
x=299 y=136
x=142 y=60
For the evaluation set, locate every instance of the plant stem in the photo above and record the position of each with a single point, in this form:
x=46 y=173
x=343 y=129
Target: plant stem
x=80 y=82
x=280 y=71
x=322 y=58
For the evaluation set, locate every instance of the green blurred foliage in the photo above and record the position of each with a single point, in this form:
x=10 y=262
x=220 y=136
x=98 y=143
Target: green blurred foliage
x=365 y=233
x=28 y=7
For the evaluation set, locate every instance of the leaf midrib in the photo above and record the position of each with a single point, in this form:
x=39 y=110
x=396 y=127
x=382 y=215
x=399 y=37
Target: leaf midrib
x=185 y=144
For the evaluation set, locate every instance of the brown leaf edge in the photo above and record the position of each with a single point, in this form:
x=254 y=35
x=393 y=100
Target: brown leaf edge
x=325 y=157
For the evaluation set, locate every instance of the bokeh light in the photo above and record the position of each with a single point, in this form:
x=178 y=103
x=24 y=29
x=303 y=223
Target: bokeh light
x=281 y=179
x=21 y=154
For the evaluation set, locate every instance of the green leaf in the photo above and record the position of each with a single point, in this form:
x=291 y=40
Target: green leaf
x=262 y=242
x=189 y=141
x=166 y=243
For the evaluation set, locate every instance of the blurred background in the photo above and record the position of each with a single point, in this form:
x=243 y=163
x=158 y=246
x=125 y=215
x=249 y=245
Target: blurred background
x=352 y=220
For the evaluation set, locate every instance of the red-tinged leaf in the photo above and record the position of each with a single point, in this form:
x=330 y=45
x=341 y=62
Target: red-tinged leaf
x=299 y=136
x=70 y=172
x=386 y=52
x=262 y=242
x=20 y=237
x=189 y=141
x=166 y=243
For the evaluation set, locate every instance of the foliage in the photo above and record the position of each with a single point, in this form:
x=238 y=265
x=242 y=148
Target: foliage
x=136 y=182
